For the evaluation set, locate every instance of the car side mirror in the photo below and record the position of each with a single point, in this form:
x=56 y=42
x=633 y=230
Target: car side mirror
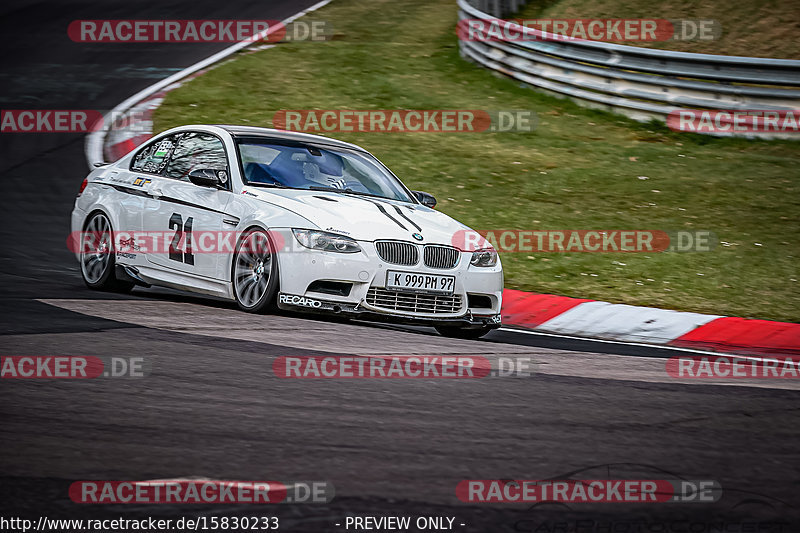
x=208 y=177
x=425 y=199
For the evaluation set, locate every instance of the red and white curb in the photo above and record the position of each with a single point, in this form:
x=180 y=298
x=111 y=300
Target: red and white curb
x=137 y=128
x=592 y=319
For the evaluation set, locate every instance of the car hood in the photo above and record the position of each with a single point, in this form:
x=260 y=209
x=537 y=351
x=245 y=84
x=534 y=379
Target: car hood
x=364 y=218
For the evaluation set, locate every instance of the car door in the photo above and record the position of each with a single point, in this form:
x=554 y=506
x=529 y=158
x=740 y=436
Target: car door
x=189 y=216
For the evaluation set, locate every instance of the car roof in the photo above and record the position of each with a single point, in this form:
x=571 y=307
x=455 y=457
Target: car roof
x=252 y=131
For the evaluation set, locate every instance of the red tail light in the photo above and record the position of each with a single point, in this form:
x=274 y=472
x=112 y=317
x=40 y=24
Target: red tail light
x=83 y=186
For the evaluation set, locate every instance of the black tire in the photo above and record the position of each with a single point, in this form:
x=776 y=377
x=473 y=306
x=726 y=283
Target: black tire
x=97 y=258
x=254 y=292
x=463 y=333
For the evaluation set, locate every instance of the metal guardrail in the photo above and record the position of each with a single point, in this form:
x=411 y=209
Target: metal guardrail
x=641 y=83
x=499 y=8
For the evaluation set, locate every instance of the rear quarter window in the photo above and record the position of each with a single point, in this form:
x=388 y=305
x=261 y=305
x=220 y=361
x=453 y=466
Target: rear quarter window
x=154 y=156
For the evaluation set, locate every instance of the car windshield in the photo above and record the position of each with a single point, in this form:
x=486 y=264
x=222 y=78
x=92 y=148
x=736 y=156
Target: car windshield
x=317 y=167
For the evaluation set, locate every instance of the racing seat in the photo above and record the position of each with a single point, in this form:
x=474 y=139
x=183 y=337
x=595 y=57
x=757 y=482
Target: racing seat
x=257 y=173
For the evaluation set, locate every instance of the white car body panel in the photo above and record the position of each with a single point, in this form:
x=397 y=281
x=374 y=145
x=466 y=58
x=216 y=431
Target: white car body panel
x=152 y=205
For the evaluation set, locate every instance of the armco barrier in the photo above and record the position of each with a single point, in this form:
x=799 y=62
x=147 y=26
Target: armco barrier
x=641 y=83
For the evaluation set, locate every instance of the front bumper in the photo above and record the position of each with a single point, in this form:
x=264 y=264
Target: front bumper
x=476 y=300
x=293 y=302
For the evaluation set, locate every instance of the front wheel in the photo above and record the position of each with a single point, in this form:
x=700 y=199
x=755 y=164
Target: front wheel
x=255 y=272
x=97 y=256
x=463 y=333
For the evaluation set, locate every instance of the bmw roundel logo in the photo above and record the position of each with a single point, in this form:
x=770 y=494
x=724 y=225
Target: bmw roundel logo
x=417 y=236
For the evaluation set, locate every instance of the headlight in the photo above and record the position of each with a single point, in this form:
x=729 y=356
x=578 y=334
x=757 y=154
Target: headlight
x=327 y=242
x=485 y=257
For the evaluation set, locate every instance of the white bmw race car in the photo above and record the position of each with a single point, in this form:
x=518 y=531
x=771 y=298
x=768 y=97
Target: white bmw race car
x=274 y=218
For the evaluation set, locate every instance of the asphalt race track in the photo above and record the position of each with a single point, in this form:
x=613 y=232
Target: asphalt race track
x=213 y=408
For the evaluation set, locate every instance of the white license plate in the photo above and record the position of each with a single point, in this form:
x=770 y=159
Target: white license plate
x=416 y=282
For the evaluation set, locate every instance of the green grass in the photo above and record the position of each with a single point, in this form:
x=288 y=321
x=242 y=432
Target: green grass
x=578 y=170
x=765 y=28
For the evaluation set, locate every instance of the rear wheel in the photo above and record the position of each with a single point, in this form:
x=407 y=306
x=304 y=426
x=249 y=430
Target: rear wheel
x=97 y=256
x=255 y=272
x=463 y=333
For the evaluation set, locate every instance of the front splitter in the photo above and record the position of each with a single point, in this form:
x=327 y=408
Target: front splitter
x=305 y=304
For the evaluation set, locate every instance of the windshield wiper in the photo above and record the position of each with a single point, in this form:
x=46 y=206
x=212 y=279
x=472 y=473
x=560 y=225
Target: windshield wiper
x=347 y=191
x=271 y=185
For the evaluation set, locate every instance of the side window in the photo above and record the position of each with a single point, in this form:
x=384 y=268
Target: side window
x=197 y=150
x=154 y=156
